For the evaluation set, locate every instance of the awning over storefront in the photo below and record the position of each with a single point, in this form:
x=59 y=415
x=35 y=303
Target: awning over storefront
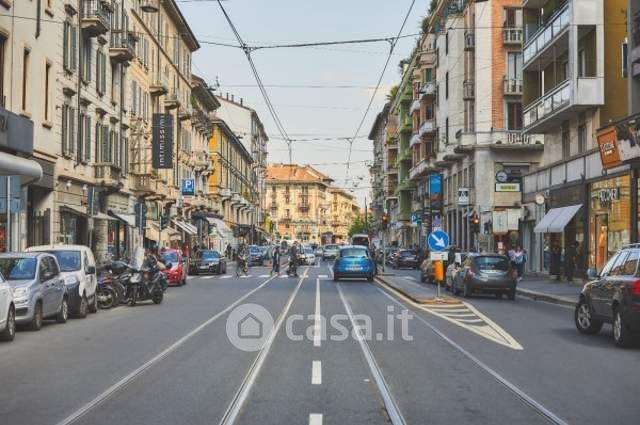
x=103 y=216
x=73 y=209
x=129 y=219
x=168 y=234
x=12 y=165
x=556 y=219
x=188 y=228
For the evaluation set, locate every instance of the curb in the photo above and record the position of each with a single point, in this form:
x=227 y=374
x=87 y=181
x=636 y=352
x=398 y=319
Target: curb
x=541 y=296
x=419 y=300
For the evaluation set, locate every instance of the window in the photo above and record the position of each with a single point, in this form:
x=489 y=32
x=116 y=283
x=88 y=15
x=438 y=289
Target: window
x=47 y=94
x=84 y=137
x=3 y=43
x=582 y=63
x=631 y=263
x=101 y=72
x=446 y=86
x=512 y=17
x=514 y=65
x=446 y=43
x=115 y=83
x=617 y=268
x=582 y=132
x=69 y=47
x=85 y=60
x=26 y=57
x=625 y=59
x=514 y=116
x=566 y=140
x=446 y=134
x=68 y=130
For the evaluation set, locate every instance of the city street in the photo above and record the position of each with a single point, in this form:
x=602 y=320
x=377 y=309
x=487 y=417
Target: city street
x=175 y=363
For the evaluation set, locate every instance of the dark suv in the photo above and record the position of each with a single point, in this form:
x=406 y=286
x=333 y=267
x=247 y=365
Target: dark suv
x=613 y=296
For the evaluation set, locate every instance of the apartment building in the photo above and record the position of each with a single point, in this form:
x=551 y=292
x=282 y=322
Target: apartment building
x=305 y=207
x=376 y=171
x=232 y=185
x=246 y=124
x=577 y=81
x=28 y=70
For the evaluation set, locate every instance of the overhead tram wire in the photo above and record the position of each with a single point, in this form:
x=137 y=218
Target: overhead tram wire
x=375 y=91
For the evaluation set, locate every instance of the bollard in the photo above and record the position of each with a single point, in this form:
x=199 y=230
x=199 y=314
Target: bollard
x=438 y=273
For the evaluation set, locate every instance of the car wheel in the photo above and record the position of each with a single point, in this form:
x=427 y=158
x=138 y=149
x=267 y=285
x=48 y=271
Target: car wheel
x=9 y=331
x=63 y=314
x=36 y=322
x=370 y=278
x=157 y=297
x=93 y=307
x=82 y=309
x=583 y=319
x=336 y=277
x=622 y=335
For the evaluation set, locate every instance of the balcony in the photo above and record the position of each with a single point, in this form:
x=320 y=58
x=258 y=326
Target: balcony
x=144 y=184
x=108 y=174
x=428 y=57
x=469 y=40
x=304 y=208
x=415 y=107
x=95 y=17
x=429 y=90
x=427 y=127
x=404 y=156
x=159 y=86
x=512 y=36
x=171 y=100
x=555 y=29
x=562 y=103
x=184 y=113
x=122 y=46
x=512 y=86
x=420 y=169
x=406 y=126
x=468 y=90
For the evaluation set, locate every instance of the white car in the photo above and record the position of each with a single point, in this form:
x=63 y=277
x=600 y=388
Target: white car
x=7 y=312
x=78 y=268
x=308 y=256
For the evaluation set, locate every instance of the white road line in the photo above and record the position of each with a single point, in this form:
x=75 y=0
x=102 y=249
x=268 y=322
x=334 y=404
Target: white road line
x=147 y=365
x=247 y=276
x=316 y=372
x=470 y=320
x=410 y=277
x=456 y=315
x=263 y=275
x=317 y=326
x=323 y=276
x=226 y=276
x=517 y=391
x=232 y=412
x=315 y=419
x=390 y=404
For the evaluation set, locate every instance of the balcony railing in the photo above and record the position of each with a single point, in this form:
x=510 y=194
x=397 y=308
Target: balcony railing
x=171 y=101
x=159 y=86
x=109 y=173
x=144 y=183
x=428 y=89
x=303 y=208
x=415 y=107
x=548 y=104
x=546 y=34
x=512 y=86
x=122 y=46
x=468 y=90
x=512 y=36
x=469 y=40
x=427 y=127
x=95 y=17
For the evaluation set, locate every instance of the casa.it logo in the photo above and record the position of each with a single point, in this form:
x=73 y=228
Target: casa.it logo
x=249 y=326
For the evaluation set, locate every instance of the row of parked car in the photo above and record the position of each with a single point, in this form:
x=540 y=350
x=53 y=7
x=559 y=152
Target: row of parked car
x=46 y=282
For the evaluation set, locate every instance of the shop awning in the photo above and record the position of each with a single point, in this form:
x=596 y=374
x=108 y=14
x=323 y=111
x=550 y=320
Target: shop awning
x=73 y=209
x=153 y=233
x=129 y=219
x=556 y=219
x=188 y=228
x=13 y=165
x=103 y=216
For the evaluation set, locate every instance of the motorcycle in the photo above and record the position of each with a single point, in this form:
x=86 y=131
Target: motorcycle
x=292 y=271
x=111 y=284
x=242 y=266
x=147 y=282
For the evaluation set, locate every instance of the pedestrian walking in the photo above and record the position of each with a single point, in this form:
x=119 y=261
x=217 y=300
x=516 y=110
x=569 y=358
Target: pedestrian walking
x=520 y=259
x=570 y=261
x=556 y=262
x=275 y=268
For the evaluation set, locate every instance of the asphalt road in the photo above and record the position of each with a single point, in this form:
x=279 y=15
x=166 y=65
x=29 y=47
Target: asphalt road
x=484 y=362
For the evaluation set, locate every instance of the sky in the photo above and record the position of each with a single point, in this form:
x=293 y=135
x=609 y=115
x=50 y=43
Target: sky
x=308 y=112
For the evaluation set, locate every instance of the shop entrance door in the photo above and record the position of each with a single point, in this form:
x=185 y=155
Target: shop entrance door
x=601 y=235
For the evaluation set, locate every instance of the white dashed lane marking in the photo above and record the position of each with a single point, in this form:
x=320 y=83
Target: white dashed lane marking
x=316 y=372
x=315 y=419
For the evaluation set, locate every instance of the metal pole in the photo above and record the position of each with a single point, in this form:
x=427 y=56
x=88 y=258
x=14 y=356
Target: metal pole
x=8 y=238
x=384 y=251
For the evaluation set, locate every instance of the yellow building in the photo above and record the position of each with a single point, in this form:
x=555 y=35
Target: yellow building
x=233 y=185
x=305 y=207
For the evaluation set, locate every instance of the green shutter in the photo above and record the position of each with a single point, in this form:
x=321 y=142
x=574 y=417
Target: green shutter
x=72 y=130
x=99 y=153
x=65 y=45
x=87 y=137
x=74 y=47
x=65 y=130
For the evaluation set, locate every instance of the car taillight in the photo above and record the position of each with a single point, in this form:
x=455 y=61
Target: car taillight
x=635 y=290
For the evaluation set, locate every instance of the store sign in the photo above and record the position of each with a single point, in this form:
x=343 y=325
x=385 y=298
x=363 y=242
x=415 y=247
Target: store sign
x=507 y=187
x=606 y=196
x=608 y=146
x=162 y=142
x=463 y=196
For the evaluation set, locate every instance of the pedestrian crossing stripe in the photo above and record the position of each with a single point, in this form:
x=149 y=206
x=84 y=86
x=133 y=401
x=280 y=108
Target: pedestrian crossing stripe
x=323 y=276
x=246 y=276
x=264 y=275
x=225 y=277
x=208 y=277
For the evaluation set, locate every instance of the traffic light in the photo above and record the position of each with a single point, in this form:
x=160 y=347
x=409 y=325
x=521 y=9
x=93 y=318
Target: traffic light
x=475 y=224
x=385 y=220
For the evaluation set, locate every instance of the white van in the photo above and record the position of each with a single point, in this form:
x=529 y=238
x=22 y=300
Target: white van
x=7 y=312
x=78 y=268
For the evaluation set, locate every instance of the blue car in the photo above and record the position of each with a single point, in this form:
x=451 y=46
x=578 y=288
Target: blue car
x=353 y=262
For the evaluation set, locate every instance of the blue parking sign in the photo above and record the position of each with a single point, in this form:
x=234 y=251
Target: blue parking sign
x=188 y=187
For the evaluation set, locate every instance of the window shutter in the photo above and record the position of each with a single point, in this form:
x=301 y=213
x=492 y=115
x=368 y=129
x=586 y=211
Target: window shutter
x=134 y=91
x=87 y=136
x=74 y=47
x=72 y=130
x=126 y=155
x=88 y=59
x=99 y=151
x=65 y=130
x=65 y=45
x=104 y=72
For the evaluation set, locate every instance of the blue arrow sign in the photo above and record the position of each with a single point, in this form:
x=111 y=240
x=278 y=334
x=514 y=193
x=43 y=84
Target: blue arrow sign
x=414 y=218
x=438 y=240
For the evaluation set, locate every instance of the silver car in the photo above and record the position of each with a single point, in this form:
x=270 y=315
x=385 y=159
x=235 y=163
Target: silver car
x=39 y=290
x=330 y=252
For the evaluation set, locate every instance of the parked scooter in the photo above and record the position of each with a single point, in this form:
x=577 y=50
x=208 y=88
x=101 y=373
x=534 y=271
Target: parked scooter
x=147 y=281
x=112 y=280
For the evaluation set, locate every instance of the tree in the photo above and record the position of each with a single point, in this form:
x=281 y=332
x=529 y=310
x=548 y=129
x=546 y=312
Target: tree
x=359 y=226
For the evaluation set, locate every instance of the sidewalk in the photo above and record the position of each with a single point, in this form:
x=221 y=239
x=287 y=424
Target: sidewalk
x=551 y=290
x=410 y=287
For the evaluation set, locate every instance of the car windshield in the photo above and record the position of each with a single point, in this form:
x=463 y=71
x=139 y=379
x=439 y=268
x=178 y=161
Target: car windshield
x=308 y=250
x=254 y=250
x=353 y=253
x=170 y=257
x=331 y=247
x=18 y=268
x=407 y=253
x=69 y=260
x=491 y=264
x=210 y=255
